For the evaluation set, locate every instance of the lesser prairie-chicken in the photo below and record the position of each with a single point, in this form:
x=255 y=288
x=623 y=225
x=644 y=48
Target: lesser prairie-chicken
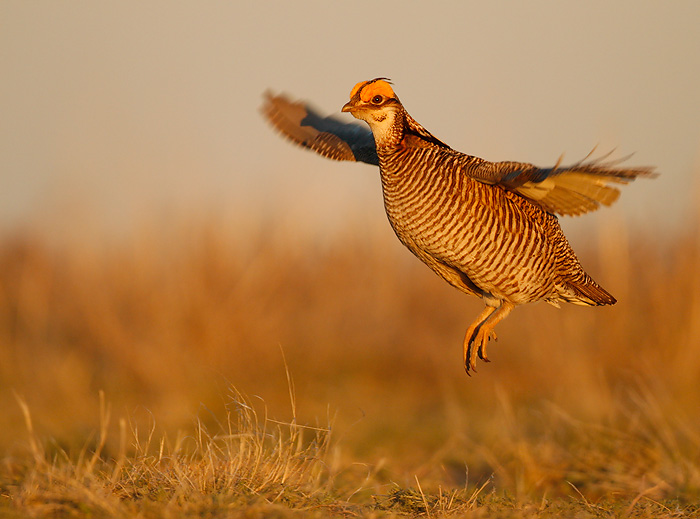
x=487 y=228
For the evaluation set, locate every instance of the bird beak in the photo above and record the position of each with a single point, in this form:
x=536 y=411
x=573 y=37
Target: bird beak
x=347 y=107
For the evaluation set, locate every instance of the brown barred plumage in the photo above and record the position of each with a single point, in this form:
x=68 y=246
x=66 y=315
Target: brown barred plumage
x=487 y=228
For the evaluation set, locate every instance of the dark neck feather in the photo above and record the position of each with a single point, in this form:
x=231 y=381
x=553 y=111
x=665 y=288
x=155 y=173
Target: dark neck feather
x=411 y=126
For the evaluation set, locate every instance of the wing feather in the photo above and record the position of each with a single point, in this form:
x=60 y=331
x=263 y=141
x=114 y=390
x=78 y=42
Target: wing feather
x=566 y=190
x=327 y=136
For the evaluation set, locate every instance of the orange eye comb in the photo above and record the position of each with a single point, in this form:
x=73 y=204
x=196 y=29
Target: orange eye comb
x=369 y=89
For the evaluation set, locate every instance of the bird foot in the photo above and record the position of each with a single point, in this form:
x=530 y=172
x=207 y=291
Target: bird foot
x=482 y=348
x=475 y=345
x=481 y=332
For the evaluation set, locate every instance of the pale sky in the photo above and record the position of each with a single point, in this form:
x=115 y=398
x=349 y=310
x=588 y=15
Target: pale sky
x=114 y=113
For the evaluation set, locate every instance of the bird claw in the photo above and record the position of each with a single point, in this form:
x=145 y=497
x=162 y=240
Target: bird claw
x=480 y=332
x=469 y=352
x=476 y=347
x=482 y=346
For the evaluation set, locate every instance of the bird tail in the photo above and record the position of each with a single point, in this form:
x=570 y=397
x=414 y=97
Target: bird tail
x=588 y=293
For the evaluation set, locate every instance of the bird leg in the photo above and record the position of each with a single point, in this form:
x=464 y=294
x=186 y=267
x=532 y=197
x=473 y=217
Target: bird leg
x=485 y=331
x=468 y=354
x=480 y=331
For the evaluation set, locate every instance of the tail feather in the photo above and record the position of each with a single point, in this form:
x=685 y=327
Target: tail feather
x=588 y=293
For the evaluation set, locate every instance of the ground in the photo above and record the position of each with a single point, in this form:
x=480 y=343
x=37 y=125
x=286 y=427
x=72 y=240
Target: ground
x=202 y=373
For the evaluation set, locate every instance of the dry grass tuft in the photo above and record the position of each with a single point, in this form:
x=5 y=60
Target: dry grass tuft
x=244 y=461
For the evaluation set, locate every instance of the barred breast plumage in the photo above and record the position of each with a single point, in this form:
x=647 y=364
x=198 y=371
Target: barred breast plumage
x=489 y=229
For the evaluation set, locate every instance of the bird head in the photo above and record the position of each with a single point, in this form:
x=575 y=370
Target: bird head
x=375 y=102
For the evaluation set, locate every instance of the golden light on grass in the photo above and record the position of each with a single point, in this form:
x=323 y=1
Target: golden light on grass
x=118 y=363
x=245 y=460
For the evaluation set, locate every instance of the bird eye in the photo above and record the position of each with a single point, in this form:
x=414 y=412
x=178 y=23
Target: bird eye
x=377 y=99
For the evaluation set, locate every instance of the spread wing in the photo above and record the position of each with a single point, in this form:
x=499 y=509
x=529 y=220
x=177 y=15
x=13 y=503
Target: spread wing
x=567 y=190
x=327 y=136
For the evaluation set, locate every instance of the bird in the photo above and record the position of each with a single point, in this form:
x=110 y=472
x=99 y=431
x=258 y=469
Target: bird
x=490 y=229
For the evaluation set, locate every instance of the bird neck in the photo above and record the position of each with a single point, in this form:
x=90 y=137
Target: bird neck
x=388 y=128
x=397 y=129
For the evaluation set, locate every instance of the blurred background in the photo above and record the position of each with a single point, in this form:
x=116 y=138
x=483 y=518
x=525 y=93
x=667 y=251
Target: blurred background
x=159 y=242
x=118 y=112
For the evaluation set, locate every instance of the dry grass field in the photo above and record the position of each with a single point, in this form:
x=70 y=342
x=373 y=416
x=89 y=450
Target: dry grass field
x=211 y=372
